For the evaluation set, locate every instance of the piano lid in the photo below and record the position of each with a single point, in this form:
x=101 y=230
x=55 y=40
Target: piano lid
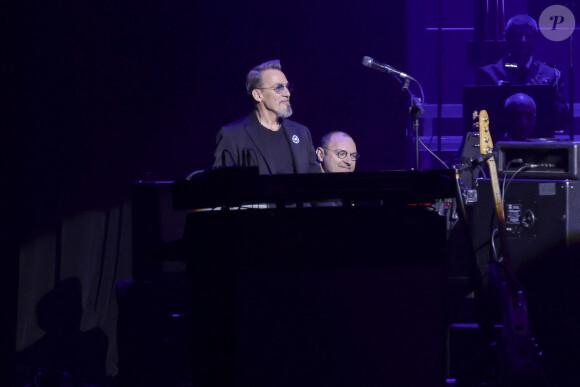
x=234 y=187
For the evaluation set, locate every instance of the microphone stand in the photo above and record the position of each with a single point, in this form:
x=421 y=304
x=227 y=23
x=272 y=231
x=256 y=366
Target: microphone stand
x=571 y=81
x=415 y=109
x=416 y=103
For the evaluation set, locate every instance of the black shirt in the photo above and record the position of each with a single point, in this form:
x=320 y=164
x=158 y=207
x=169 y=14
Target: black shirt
x=276 y=149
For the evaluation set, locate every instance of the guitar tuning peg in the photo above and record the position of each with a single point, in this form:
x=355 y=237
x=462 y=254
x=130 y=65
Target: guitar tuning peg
x=476 y=124
x=475 y=114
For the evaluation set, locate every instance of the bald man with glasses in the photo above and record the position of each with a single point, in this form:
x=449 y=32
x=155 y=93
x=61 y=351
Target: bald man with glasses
x=337 y=152
x=266 y=138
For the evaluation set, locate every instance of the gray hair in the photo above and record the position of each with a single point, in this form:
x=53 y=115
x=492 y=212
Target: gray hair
x=254 y=78
x=521 y=20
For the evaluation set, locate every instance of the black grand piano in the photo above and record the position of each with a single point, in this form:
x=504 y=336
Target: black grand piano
x=297 y=292
x=238 y=186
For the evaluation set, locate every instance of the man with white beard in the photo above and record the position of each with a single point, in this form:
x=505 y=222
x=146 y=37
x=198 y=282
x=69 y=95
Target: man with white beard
x=266 y=138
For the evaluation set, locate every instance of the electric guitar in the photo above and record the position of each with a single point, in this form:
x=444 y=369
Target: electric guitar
x=518 y=360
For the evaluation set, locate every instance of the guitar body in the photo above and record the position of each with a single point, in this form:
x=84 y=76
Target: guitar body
x=517 y=355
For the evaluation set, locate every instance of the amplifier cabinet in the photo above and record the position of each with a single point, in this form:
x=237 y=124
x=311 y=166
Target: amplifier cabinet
x=543 y=227
x=552 y=159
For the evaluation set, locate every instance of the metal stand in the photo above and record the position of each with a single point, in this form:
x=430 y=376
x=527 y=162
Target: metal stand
x=571 y=90
x=415 y=109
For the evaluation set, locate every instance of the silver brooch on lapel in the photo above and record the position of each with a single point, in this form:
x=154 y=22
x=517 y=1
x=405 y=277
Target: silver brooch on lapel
x=295 y=139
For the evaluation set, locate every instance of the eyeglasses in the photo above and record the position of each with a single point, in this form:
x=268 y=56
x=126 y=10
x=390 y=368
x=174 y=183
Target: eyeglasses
x=279 y=89
x=341 y=153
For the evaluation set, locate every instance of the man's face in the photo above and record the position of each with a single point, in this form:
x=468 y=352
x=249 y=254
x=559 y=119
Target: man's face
x=521 y=121
x=329 y=157
x=272 y=101
x=521 y=40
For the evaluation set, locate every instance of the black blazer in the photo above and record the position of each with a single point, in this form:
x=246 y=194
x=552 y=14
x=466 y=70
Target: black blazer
x=539 y=73
x=241 y=135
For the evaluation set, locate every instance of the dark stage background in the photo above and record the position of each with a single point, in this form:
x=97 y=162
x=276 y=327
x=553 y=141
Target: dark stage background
x=108 y=93
x=102 y=94
x=116 y=92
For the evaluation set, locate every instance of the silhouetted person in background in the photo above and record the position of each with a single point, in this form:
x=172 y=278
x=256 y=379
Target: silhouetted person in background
x=64 y=356
x=519 y=117
x=519 y=67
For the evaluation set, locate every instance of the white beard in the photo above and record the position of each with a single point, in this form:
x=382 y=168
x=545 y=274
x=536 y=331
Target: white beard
x=287 y=113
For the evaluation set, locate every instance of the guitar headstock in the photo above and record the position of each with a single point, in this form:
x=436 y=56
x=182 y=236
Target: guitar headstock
x=485 y=142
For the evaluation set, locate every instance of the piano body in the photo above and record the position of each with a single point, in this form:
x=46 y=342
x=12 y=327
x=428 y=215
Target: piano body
x=299 y=292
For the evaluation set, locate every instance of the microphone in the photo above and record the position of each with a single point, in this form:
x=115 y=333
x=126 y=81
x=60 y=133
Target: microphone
x=370 y=62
